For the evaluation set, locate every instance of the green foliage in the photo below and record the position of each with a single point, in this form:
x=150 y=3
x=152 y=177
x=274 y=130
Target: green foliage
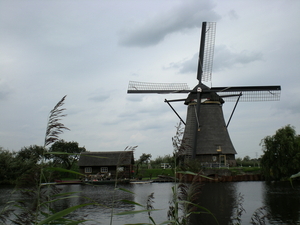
x=245 y=170
x=9 y=167
x=32 y=154
x=65 y=153
x=192 y=165
x=247 y=162
x=28 y=167
x=156 y=163
x=144 y=158
x=153 y=173
x=182 y=204
x=38 y=165
x=148 y=208
x=17 y=166
x=54 y=218
x=281 y=154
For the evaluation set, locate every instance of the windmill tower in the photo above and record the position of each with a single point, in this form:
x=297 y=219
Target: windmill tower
x=206 y=136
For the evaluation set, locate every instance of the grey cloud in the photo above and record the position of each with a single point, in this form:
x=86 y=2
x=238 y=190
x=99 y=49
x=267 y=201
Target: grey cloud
x=5 y=91
x=186 y=65
x=233 y=15
x=3 y=95
x=51 y=42
x=134 y=98
x=223 y=58
x=100 y=98
x=291 y=107
x=189 y=14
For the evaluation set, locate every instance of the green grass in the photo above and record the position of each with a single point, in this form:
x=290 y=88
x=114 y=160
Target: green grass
x=243 y=170
x=145 y=173
x=153 y=173
x=68 y=179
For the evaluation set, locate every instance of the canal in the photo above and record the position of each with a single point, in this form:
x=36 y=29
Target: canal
x=277 y=202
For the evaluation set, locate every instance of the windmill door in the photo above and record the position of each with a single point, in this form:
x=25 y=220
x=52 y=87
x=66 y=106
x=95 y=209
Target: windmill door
x=222 y=159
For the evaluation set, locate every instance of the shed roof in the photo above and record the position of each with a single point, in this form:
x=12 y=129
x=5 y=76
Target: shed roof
x=112 y=158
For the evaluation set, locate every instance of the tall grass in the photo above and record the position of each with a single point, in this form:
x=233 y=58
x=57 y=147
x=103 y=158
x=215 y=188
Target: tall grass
x=36 y=185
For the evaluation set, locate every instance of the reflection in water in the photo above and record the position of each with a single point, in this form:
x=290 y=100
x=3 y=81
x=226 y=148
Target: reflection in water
x=219 y=199
x=7 y=194
x=104 y=194
x=283 y=202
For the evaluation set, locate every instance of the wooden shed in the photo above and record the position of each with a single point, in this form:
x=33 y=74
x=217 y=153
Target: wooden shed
x=107 y=163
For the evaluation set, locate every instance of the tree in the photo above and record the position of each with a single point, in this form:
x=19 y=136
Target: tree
x=33 y=153
x=247 y=158
x=144 y=158
x=162 y=159
x=29 y=160
x=8 y=166
x=14 y=166
x=66 y=153
x=281 y=156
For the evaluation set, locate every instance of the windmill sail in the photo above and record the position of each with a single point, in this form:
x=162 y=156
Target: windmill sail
x=158 y=88
x=248 y=93
x=206 y=53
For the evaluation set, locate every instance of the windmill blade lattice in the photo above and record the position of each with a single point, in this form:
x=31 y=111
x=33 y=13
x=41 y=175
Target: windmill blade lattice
x=249 y=93
x=208 y=51
x=159 y=88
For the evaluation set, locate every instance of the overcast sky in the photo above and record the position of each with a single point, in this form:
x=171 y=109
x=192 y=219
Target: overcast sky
x=90 y=50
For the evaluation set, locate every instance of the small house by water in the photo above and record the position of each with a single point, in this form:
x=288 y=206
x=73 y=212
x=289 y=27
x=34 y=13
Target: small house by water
x=107 y=163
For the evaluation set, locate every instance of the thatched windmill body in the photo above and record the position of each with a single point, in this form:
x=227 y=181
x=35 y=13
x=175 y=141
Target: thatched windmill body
x=205 y=135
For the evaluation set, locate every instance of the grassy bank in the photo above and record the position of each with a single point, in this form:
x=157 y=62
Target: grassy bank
x=245 y=170
x=145 y=173
x=153 y=173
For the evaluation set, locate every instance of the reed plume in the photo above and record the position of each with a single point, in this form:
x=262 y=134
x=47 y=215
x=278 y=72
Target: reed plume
x=54 y=126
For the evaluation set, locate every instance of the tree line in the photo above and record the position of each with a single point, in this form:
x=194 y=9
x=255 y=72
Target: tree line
x=280 y=159
x=17 y=166
x=248 y=162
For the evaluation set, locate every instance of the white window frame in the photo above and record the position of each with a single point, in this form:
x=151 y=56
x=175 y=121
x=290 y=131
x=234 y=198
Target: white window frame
x=104 y=169
x=88 y=170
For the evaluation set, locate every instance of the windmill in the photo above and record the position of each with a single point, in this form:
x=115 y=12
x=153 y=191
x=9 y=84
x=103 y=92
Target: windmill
x=206 y=136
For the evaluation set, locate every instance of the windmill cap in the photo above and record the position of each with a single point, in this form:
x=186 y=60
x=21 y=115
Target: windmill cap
x=213 y=96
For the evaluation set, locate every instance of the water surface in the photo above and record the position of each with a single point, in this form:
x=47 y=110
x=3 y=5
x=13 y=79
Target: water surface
x=280 y=202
